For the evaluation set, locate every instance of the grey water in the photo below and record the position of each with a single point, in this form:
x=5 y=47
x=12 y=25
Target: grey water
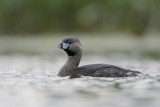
x=30 y=80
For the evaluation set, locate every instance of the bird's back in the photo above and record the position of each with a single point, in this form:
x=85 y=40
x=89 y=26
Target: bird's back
x=104 y=70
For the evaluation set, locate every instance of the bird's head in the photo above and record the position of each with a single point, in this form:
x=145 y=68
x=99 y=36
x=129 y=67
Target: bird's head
x=71 y=45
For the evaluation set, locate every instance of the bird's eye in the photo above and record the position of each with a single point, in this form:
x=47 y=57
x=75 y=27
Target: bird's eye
x=69 y=42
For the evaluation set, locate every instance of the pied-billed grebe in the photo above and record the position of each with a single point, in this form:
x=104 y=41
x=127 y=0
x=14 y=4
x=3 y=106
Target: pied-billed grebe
x=72 y=46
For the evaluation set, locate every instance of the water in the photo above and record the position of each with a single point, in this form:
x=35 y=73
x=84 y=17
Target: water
x=31 y=81
x=29 y=66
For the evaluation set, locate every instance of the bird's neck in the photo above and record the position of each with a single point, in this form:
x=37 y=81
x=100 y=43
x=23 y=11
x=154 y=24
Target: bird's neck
x=72 y=63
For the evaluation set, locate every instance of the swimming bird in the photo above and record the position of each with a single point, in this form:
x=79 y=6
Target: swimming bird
x=72 y=46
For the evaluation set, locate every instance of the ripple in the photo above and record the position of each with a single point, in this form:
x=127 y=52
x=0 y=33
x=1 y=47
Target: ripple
x=29 y=81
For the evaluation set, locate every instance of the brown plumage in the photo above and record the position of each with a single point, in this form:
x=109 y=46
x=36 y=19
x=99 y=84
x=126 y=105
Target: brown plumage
x=72 y=46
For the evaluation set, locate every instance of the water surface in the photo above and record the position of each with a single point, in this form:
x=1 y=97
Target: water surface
x=31 y=81
x=29 y=66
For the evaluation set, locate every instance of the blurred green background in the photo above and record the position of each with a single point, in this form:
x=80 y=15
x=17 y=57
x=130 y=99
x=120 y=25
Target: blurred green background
x=67 y=16
x=118 y=26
